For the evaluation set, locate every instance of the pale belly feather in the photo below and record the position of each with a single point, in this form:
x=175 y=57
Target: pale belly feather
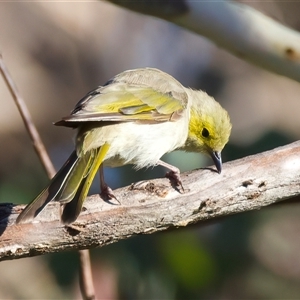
x=139 y=144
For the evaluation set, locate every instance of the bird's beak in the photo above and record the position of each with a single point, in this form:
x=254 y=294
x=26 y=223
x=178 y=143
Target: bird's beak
x=216 y=156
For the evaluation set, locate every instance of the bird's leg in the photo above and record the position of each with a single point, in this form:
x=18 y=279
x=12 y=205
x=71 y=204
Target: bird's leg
x=106 y=191
x=174 y=173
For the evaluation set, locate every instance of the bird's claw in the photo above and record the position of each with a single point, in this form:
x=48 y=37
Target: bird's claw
x=175 y=177
x=107 y=193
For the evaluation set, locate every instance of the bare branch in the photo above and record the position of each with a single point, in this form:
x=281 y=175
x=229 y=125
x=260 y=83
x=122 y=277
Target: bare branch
x=238 y=28
x=86 y=279
x=85 y=276
x=245 y=184
x=30 y=127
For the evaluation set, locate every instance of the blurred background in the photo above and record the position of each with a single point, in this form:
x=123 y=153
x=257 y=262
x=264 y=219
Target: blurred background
x=56 y=53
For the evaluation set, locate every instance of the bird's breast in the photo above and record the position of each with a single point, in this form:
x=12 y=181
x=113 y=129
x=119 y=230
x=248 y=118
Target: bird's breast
x=139 y=144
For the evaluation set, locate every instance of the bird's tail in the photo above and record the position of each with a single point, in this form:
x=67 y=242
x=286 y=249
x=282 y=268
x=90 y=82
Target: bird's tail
x=73 y=208
x=69 y=186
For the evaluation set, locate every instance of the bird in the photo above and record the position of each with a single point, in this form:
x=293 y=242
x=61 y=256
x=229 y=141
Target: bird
x=134 y=118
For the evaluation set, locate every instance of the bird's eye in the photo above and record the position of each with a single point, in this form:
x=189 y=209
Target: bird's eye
x=205 y=133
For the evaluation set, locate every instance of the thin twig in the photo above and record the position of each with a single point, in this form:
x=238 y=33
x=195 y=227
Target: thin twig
x=31 y=129
x=86 y=281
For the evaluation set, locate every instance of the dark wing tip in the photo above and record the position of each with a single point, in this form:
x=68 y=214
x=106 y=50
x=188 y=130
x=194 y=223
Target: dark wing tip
x=66 y=123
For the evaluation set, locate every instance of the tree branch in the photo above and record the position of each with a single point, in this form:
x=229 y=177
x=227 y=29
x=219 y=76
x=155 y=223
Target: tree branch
x=245 y=184
x=238 y=28
x=37 y=143
x=86 y=282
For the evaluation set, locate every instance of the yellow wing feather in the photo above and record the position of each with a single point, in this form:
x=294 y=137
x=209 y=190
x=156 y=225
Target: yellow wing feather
x=124 y=101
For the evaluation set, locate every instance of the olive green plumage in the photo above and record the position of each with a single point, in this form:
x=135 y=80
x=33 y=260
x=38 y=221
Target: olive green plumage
x=135 y=118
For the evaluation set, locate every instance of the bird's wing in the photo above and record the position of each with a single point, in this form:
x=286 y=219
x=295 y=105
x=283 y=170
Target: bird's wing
x=142 y=95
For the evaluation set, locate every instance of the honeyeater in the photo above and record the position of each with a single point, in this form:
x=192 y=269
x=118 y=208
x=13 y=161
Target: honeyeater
x=135 y=118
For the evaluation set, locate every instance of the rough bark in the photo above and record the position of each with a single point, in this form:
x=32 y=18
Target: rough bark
x=245 y=184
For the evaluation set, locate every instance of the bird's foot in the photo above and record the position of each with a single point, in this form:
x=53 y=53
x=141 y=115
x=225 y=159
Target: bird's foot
x=174 y=176
x=107 y=193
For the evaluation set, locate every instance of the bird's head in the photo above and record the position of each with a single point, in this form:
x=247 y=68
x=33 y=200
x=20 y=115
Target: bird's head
x=209 y=127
